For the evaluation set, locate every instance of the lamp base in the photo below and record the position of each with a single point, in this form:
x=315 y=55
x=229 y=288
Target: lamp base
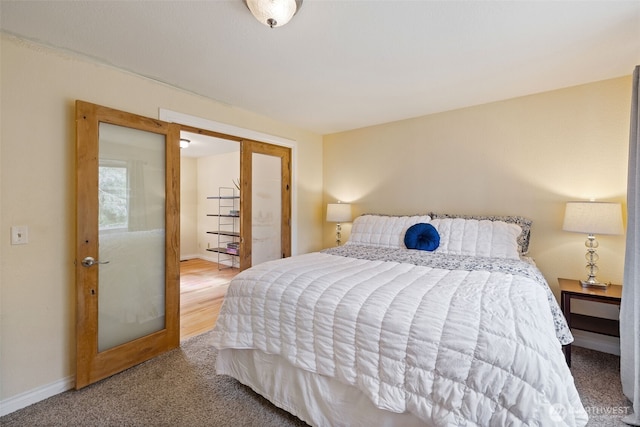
x=588 y=284
x=338 y=234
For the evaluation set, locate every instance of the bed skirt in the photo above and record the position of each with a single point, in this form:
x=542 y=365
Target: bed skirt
x=316 y=399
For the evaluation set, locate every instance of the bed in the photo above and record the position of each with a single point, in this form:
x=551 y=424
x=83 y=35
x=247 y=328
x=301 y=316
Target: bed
x=459 y=332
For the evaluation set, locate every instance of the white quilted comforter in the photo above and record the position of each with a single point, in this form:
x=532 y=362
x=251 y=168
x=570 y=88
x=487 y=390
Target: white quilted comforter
x=454 y=347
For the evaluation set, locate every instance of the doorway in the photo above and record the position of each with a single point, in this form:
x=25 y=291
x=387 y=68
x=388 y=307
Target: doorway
x=133 y=162
x=126 y=240
x=207 y=165
x=235 y=213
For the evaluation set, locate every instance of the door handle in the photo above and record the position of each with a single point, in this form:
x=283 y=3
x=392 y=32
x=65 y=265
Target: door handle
x=89 y=261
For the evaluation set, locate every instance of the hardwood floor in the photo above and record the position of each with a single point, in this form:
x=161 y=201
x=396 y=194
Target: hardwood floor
x=202 y=290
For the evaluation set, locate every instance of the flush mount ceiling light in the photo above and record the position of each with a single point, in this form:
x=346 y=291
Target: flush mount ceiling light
x=184 y=143
x=273 y=13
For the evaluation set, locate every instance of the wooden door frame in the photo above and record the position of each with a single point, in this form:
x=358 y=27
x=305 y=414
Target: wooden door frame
x=223 y=130
x=91 y=365
x=248 y=148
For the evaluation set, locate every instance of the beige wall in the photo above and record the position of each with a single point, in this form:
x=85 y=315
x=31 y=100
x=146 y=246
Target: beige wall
x=214 y=172
x=524 y=156
x=39 y=87
x=188 y=207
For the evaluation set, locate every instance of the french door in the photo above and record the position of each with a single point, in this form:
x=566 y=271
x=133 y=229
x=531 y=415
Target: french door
x=127 y=250
x=265 y=202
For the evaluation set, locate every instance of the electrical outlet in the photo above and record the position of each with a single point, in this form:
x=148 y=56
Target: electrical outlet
x=19 y=235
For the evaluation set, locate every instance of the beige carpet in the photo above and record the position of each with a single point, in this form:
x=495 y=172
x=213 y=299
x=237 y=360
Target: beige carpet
x=181 y=389
x=177 y=389
x=597 y=378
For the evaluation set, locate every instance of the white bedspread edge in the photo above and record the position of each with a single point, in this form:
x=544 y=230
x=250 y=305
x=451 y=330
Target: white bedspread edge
x=316 y=399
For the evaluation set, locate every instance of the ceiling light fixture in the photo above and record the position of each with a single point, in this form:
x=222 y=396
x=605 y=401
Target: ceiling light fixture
x=184 y=143
x=273 y=13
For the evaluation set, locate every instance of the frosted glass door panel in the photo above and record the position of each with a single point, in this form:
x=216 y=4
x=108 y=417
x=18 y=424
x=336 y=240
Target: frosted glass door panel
x=131 y=199
x=266 y=201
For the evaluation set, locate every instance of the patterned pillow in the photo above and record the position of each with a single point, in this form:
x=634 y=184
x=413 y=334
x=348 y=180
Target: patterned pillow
x=383 y=230
x=482 y=238
x=524 y=223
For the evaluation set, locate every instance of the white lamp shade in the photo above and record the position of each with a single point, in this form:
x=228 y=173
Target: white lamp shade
x=338 y=212
x=593 y=218
x=280 y=11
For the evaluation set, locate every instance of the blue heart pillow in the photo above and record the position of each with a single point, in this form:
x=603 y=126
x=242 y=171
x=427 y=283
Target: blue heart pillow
x=422 y=236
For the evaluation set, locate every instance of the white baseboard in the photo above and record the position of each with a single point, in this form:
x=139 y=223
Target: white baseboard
x=214 y=258
x=226 y=263
x=210 y=258
x=30 y=397
x=596 y=342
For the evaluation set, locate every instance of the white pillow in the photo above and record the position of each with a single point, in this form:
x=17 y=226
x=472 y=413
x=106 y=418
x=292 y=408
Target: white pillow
x=382 y=230
x=474 y=237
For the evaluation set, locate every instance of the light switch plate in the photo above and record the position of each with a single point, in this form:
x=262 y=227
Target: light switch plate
x=19 y=235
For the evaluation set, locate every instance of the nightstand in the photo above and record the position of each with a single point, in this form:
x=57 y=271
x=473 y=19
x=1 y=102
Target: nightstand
x=572 y=289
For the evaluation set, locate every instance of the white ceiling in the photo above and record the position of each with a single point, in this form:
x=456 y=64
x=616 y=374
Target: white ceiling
x=341 y=65
x=203 y=146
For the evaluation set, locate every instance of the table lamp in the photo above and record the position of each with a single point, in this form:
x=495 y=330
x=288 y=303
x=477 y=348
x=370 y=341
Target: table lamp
x=338 y=212
x=593 y=218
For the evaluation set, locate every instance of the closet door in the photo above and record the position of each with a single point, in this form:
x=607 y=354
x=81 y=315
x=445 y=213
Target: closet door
x=127 y=260
x=265 y=200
